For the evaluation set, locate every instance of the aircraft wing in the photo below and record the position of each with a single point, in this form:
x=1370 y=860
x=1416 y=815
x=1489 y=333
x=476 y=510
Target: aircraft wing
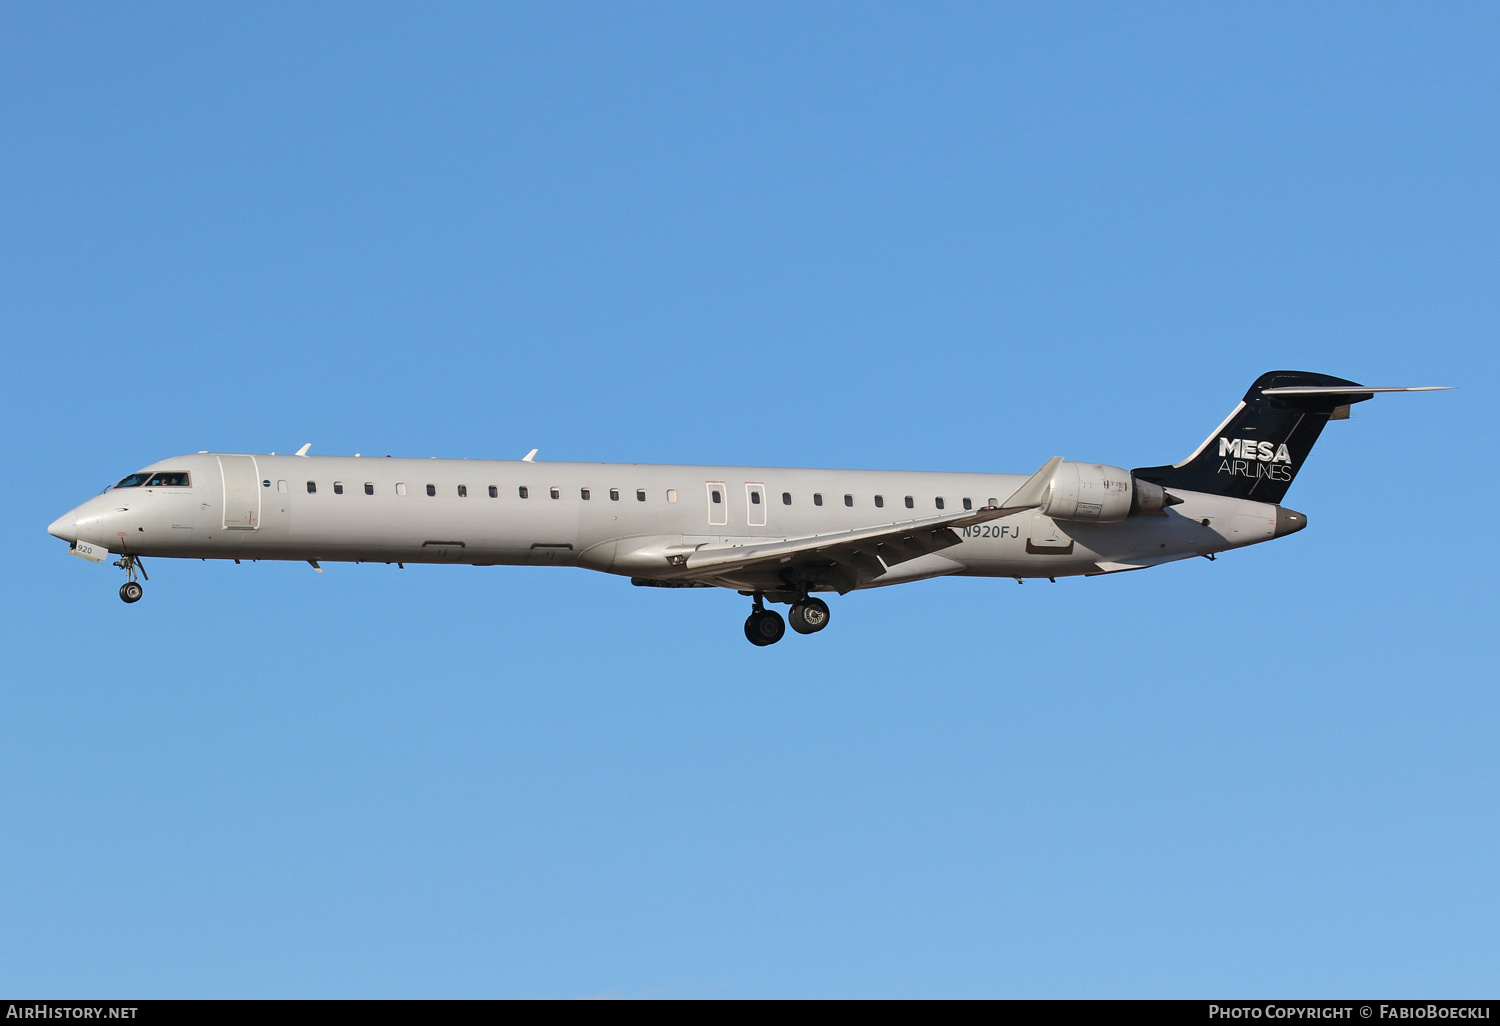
x=865 y=552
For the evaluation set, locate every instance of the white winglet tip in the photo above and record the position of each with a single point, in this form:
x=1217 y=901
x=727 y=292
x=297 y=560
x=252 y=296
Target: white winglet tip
x=529 y=456
x=303 y=451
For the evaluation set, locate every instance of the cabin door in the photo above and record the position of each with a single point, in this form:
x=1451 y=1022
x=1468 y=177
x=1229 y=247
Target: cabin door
x=241 y=493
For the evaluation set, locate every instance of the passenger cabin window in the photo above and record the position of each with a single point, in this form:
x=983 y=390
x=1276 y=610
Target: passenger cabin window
x=463 y=491
x=671 y=494
x=494 y=492
x=786 y=498
x=968 y=503
x=939 y=502
x=583 y=493
x=614 y=495
x=400 y=487
x=910 y=502
x=994 y=501
x=281 y=486
x=171 y=479
x=848 y=500
x=432 y=489
x=717 y=497
x=880 y=502
x=556 y=494
x=134 y=480
x=312 y=486
x=640 y=495
x=817 y=498
x=755 y=498
x=523 y=492
x=369 y=487
x=338 y=488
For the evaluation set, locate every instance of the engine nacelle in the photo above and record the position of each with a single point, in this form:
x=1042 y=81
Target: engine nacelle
x=1104 y=495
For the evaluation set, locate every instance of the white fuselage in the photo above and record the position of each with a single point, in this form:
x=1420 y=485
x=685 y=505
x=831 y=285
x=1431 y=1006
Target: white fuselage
x=613 y=517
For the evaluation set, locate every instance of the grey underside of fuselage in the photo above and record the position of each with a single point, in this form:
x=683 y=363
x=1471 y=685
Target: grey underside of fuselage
x=626 y=535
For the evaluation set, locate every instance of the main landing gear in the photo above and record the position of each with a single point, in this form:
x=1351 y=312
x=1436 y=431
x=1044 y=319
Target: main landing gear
x=131 y=591
x=809 y=616
x=766 y=627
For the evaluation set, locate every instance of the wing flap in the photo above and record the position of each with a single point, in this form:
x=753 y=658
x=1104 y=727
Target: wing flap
x=866 y=551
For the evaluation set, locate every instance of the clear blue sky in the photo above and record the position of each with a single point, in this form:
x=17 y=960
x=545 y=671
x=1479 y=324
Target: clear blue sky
x=947 y=236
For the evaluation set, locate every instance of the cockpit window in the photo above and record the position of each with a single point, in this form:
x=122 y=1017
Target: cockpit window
x=134 y=480
x=168 y=479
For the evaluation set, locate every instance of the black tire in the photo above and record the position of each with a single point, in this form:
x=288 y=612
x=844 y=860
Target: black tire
x=764 y=627
x=130 y=592
x=810 y=616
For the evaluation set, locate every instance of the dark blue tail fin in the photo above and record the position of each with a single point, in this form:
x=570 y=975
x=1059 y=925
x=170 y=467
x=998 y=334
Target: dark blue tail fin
x=1258 y=450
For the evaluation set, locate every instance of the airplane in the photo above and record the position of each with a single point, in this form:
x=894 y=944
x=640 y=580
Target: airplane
x=775 y=534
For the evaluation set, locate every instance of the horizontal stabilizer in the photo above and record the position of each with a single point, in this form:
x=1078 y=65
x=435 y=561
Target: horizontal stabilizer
x=1352 y=390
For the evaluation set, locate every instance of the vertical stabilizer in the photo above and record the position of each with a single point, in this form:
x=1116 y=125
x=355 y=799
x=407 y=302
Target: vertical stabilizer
x=1259 y=448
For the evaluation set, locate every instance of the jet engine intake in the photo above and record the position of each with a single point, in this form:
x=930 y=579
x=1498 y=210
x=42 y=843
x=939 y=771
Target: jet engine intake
x=1102 y=494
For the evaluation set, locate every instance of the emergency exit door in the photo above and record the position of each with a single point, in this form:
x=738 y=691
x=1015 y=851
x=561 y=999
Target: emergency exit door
x=718 y=503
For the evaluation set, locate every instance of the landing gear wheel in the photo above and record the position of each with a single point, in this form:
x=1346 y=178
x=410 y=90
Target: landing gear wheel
x=764 y=627
x=130 y=592
x=809 y=616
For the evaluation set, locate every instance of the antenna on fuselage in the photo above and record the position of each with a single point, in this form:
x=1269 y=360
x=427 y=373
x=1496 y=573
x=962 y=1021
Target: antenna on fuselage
x=528 y=457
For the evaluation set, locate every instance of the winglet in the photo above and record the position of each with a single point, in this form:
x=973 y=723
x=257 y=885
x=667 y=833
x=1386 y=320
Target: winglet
x=1034 y=492
x=529 y=456
x=303 y=451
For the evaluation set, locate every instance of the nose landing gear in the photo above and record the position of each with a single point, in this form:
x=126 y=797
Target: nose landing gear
x=131 y=591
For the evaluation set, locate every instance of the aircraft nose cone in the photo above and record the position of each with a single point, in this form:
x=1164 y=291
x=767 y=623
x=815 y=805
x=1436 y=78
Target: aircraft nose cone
x=65 y=527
